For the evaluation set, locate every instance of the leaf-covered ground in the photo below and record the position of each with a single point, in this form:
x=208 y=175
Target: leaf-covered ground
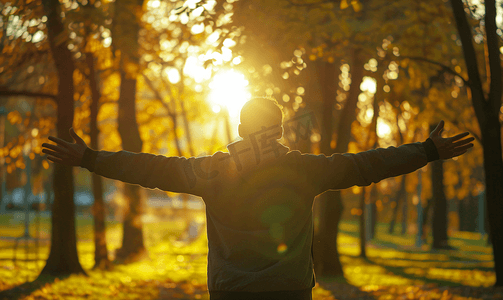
x=394 y=269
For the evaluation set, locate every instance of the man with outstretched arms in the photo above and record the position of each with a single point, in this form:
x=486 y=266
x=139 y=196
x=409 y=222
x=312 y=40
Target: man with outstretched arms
x=259 y=195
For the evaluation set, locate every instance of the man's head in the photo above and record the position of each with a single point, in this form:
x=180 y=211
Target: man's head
x=258 y=114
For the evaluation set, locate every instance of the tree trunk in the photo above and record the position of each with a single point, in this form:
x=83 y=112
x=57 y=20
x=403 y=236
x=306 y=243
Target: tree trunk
x=363 y=240
x=493 y=165
x=468 y=211
x=372 y=213
x=327 y=261
x=133 y=248
x=462 y=211
x=487 y=113
x=101 y=260
x=405 y=210
x=63 y=258
x=328 y=84
x=373 y=142
x=439 y=223
x=401 y=193
x=424 y=222
x=126 y=34
x=326 y=254
x=324 y=244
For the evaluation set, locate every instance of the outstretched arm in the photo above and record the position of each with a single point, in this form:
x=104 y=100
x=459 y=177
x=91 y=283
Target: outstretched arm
x=341 y=171
x=148 y=170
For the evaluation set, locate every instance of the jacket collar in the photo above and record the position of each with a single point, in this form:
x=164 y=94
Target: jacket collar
x=253 y=152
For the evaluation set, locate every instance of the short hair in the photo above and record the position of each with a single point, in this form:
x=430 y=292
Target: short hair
x=261 y=112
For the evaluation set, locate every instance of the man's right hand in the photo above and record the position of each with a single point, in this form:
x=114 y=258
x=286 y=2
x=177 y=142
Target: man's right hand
x=64 y=152
x=450 y=147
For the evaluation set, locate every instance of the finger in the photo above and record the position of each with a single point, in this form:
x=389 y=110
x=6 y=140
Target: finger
x=462 y=142
x=75 y=137
x=438 y=129
x=459 y=153
x=462 y=148
x=60 y=142
x=64 y=144
x=55 y=148
x=61 y=161
x=55 y=154
x=56 y=160
x=459 y=136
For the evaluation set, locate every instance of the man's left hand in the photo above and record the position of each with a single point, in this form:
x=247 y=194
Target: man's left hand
x=64 y=152
x=452 y=146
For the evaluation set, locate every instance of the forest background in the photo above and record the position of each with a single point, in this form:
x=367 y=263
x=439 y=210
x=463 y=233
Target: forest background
x=169 y=77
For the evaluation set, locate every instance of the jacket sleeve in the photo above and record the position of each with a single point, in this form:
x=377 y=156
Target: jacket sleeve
x=174 y=174
x=340 y=171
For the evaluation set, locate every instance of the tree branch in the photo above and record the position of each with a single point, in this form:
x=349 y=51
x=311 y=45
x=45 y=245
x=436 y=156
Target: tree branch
x=441 y=65
x=308 y=4
x=4 y=92
x=475 y=84
x=171 y=113
x=157 y=94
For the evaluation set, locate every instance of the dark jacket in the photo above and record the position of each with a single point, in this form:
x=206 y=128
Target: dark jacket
x=259 y=200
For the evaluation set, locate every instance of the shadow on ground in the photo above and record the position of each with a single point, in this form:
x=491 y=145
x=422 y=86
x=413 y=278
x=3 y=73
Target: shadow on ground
x=341 y=289
x=27 y=288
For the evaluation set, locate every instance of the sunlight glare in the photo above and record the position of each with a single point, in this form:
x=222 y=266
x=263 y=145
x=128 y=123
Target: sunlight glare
x=229 y=89
x=155 y=3
x=197 y=28
x=237 y=60
x=173 y=75
x=215 y=108
x=368 y=84
x=383 y=129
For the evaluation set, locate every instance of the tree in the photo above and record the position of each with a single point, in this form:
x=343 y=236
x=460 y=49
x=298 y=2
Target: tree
x=91 y=49
x=63 y=258
x=404 y=109
x=439 y=224
x=487 y=104
x=125 y=31
x=88 y=22
x=400 y=196
x=100 y=243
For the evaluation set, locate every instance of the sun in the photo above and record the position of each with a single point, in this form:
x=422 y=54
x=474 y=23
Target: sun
x=229 y=90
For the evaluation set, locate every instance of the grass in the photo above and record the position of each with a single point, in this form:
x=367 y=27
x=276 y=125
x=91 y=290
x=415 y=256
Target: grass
x=394 y=267
x=470 y=264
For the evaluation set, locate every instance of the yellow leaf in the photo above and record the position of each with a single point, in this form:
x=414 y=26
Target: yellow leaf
x=357 y=6
x=344 y=4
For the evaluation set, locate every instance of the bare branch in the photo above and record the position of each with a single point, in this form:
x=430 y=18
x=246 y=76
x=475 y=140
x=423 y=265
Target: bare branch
x=157 y=94
x=308 y=4
x=6 y=92
x=439 y=64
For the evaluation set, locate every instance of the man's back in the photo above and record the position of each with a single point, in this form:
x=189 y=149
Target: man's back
x=259 y=220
